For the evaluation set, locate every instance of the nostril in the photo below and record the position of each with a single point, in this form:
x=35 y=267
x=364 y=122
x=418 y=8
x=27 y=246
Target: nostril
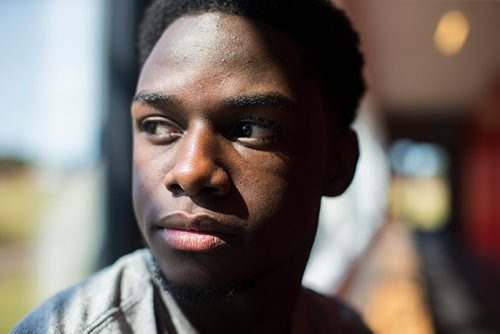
x=174 y=187
x=210 y=189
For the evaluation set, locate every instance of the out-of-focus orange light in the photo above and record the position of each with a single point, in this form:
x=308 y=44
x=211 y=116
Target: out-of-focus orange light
x=451 y=32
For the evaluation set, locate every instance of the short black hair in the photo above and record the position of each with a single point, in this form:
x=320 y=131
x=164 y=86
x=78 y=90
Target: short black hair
x=322 y=30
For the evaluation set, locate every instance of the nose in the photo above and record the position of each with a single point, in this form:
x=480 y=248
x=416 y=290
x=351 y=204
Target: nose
x=196 y=170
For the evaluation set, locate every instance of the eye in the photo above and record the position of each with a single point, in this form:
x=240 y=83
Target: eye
x=160 y=129
x=255 y=130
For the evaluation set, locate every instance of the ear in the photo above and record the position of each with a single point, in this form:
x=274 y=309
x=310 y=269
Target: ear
x=342 y=164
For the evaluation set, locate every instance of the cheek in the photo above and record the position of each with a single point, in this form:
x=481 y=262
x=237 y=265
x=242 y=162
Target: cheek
x=147 y=179
x=260 y=177
x=304 y=181
x=282 y=206
x=279 y=189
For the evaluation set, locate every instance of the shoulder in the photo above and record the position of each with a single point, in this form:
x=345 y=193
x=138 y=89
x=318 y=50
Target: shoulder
x=318 y=313
x=94 y=302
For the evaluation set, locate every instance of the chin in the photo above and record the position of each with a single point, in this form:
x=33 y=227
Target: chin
x=192 y=286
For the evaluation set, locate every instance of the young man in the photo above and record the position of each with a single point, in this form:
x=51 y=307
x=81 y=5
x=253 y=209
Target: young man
x=241 y=123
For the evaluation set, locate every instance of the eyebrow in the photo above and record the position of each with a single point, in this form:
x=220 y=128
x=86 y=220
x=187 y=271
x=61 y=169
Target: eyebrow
x=275 y=100
x=157 y=99
x=272 y=99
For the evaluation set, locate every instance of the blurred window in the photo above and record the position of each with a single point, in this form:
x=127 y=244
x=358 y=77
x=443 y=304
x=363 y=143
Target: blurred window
x=52 y=65
x=420 y=190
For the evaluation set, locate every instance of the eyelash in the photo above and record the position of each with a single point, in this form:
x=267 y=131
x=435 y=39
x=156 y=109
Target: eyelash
x=142 y=126
x=144 y=123
x=264 y=123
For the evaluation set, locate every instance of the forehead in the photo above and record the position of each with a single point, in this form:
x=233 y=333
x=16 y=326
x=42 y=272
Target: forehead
x=226 y=47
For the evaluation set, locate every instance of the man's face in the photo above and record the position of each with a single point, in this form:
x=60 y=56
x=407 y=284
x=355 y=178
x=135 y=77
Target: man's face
x=230 y=151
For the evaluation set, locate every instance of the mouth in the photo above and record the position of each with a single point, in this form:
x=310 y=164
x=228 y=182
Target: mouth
x=195 y=233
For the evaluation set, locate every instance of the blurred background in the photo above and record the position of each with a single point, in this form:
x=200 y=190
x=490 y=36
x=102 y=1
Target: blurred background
x=414 y=244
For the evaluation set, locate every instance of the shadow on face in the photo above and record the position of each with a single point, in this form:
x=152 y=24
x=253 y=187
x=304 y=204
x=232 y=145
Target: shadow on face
x=231 y=150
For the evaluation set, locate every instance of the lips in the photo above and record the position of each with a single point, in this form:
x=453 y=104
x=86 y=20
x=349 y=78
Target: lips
x=196 y=233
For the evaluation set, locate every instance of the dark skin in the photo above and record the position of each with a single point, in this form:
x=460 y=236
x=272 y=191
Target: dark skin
x=232 y=153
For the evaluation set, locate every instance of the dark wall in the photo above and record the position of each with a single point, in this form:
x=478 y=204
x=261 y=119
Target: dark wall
x=121 y=233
